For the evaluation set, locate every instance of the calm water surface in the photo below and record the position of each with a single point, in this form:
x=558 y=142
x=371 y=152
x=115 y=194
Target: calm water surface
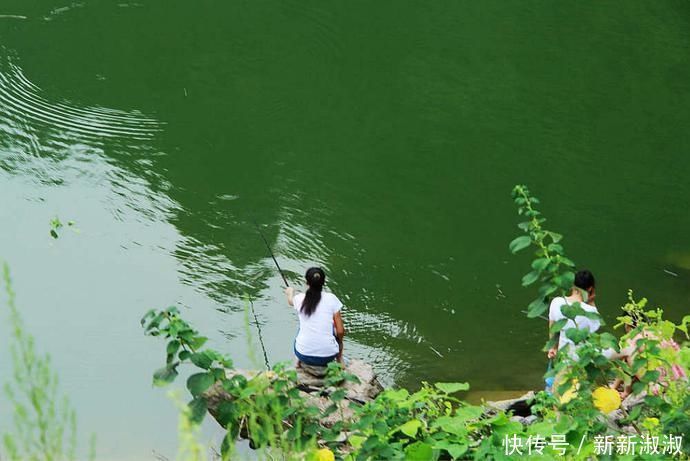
x=378 y=140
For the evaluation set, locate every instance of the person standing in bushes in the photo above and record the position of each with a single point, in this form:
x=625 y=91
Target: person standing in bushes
x=321 y=330
x=584 y=282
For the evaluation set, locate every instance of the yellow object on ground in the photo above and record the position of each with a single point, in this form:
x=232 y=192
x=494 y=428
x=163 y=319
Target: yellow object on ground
x=324 y=454
x=606 y=399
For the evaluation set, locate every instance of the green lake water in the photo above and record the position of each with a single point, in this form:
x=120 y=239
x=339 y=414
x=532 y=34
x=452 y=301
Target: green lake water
x=380 y=140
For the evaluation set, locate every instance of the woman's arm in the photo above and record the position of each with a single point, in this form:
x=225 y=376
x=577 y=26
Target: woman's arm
x=339 y=333
x=290 y=294
x=554 y=350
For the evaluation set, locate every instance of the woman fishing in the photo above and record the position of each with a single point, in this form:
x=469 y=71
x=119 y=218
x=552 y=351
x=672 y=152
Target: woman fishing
x=321 y=331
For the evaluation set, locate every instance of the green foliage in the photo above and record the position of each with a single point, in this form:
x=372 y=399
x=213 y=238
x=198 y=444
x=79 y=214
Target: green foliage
x=270 y=411
x=432 y=423
x=44 y=423
x=580 y=376
x=550 y=266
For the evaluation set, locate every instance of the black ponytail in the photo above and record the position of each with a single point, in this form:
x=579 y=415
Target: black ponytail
x=316 y=277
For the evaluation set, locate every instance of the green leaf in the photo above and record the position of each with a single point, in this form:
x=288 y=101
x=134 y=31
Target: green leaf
x=410 y=428
x=555 y=237
x=638 y=387
x=540 y=264
x=147 y=315
x=419 y=451
x=338 y=395
x=184 y=355
x=452 y=425
x=520 y=243
x=634 y=413
x=536 y=308
x=650 y=376
x=530 y=278
x=558 y=326
x=198 y=342
x=452 y=388
x=567 y=262
x=226 y=413
x=397 y=395
x=593 y=316
x=609 y=341
x=197 y=407
x=165 y=375
x=173 y=346
x=576 y=335
x=202 y=359
x=564 y=280
x=555 y=247
x=455 y=450
x=546 y=289
x=356 y=441
x=469 y=412
x=571 y=311
x=198 y=383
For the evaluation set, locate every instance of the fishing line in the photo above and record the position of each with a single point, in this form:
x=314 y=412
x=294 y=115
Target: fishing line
x=261 y=337
x=251 y=302
x=268 y=247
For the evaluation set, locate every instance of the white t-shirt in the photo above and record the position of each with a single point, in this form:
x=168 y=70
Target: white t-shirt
x=316 y=336
x=583 y=322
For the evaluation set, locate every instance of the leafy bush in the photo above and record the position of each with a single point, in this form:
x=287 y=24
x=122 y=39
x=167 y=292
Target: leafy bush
x=573 y=423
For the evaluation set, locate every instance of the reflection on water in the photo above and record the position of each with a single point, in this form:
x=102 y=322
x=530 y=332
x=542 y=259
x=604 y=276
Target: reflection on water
x=97 y=165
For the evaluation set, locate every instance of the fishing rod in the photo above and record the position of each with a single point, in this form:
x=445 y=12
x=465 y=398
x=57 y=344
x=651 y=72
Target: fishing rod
x=268 y=247
x=251 y=302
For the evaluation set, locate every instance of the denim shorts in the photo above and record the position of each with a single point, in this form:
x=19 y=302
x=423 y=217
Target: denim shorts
x=313 y=360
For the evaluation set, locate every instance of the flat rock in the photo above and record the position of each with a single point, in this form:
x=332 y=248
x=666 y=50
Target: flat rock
x=311 y=382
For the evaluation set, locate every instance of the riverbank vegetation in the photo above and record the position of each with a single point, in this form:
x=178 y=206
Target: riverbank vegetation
x=583 y=417
x=575 y=421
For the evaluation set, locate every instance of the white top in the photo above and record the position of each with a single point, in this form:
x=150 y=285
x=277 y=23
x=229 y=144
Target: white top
x=316 y=336
x=583 y=322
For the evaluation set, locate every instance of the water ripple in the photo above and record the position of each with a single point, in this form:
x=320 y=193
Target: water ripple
x=22 y=102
